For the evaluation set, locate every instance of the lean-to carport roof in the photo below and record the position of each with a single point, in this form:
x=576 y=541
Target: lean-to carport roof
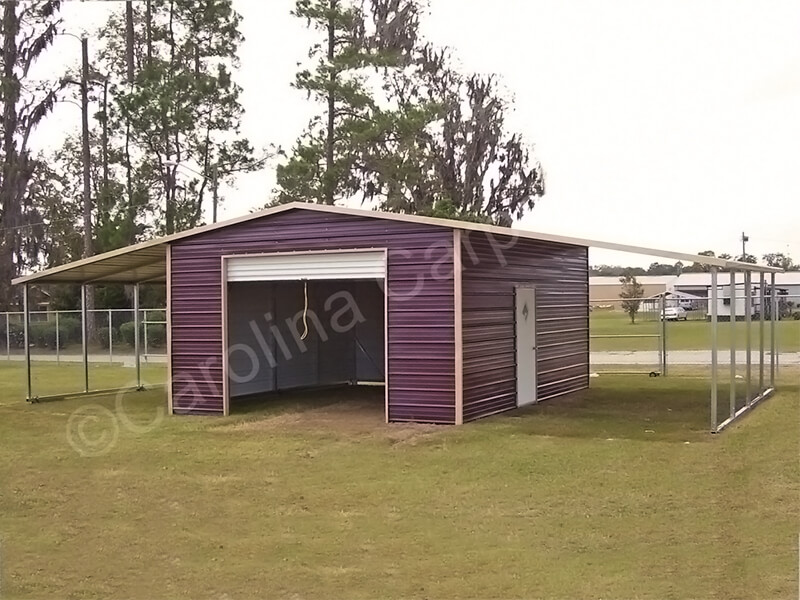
x=146 y=262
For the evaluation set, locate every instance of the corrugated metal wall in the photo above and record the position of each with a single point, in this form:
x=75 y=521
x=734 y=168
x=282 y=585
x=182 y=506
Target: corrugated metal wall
x=492 y=267
x=420 y=305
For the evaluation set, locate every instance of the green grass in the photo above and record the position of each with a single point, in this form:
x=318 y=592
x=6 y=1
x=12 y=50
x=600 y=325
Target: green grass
x=310 y=496
x=51 y=378
x=682 y=335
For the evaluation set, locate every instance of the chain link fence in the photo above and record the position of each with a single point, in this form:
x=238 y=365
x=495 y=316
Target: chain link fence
x=58 y=335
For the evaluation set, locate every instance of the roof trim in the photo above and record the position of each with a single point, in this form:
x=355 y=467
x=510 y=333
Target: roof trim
x=406 y=218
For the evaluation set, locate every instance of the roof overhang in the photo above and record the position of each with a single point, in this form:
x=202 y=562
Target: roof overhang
x=146 y=262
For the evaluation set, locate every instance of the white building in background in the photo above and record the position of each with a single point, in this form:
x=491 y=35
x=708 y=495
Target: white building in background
x=691 y=291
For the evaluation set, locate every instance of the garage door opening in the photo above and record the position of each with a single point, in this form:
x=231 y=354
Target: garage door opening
x=304 y=331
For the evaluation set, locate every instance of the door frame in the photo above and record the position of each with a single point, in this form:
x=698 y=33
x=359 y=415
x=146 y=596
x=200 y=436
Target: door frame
x=382 y=282
x=533 y=350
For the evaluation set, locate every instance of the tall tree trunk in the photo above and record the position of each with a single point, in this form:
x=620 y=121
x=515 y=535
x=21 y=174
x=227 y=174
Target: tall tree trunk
x=330 y=183
x=148 y=27
x=129 y=41
x=9 y=199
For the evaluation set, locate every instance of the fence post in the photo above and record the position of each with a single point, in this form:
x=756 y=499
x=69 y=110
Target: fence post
x=8 y=338
x=110 y=339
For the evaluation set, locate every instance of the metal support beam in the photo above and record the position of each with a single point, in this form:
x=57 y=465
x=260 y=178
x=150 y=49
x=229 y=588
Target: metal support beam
x=773 y=314
x=748 y=300
x=762 y=307
x=58 y=340
x=136 y=323
x=733 y=340
x=85 y=338
x=662 y=342
x=714 y=358
x=26 y=316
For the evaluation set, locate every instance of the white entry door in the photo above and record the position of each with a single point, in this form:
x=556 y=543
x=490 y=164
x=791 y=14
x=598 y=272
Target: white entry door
x=526 y=345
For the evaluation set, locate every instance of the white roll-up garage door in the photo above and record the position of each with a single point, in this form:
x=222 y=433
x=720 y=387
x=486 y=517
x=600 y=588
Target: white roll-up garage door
x=370 y=264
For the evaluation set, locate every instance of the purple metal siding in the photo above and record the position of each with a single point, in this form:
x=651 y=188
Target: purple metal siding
x=492 y=267
x=420 y=305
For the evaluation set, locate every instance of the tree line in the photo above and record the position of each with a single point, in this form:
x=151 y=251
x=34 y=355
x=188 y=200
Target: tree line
x=772 y=259
x=398 y=127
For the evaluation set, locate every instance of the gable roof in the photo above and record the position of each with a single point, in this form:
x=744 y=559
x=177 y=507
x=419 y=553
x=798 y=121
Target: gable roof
x=146 y=261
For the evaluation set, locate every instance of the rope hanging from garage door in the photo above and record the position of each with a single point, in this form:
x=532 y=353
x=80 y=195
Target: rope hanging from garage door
x=305 y=310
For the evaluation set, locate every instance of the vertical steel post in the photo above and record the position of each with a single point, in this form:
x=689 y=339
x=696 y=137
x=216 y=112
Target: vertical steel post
x=660 y=345
x=663 y=339
x=144 y=330
x=85 y=338
x=136 y=324
x=26 y=326
x=762 y=306
x=58 y=342
x=8 y=337
x=748 y=300
x=110 y=339
x=714 y=312
x=733 y=341
x=773 y=313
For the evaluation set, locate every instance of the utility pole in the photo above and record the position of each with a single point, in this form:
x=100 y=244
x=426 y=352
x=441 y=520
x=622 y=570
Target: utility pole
x=87 y=184
x=745 y=239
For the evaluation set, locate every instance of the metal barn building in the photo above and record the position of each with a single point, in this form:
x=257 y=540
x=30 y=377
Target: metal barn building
x=443 y=341
x=458 y=320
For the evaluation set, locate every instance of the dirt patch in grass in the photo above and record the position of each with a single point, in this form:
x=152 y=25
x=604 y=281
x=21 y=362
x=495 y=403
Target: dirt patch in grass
x=362 y=416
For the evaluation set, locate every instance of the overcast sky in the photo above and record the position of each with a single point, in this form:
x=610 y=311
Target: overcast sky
x=662 y=124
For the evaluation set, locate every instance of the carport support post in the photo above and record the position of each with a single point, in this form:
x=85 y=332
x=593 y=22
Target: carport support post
x=85 y=338
x=748 y=300
x=26 y=326
x=762 y=305
x=733 y=342
x=714 y=310
x=136 y=324
x=662 y=348
x=772 y=314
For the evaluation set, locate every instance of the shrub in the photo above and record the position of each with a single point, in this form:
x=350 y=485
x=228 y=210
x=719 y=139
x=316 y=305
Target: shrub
x=16 y=334
x=127 y=332
x=102 y=337
x=70 y=330
x=43 y=334
x=796 y=316
x=155 y=315
x=156 y=334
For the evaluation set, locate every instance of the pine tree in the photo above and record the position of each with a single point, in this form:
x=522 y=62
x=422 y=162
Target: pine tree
x=28 y=31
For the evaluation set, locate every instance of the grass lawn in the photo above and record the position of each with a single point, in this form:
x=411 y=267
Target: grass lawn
x=682 y=335
x=616 y=492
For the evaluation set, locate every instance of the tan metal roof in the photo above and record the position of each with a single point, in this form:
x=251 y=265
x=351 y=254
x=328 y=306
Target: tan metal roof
x=146 y=262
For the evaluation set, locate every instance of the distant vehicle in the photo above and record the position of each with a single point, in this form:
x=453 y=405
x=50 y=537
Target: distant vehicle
x=674 y=313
